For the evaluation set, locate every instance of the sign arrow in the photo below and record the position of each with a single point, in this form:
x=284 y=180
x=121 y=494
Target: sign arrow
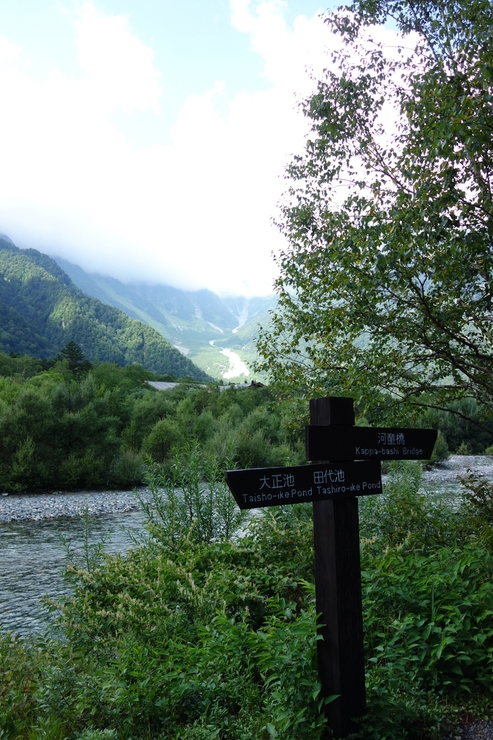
x=259 y=487
x=368 y=443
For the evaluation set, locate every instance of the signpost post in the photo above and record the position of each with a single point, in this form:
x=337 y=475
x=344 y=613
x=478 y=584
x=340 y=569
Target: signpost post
x=345 y=464
x=341 y=664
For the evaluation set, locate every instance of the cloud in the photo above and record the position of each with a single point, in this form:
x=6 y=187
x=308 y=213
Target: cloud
x=195 y=212
x=119 y=66
x=9 y=53
x=288 y=53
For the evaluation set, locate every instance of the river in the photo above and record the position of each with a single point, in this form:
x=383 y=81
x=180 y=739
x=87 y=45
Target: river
x=33 y=548
x=34 y=555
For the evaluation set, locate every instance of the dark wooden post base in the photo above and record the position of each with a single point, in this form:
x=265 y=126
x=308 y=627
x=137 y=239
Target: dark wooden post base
x=338 y=590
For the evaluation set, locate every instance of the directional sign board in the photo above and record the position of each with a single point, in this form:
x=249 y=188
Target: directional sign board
x=259 y=487
x=368 y=443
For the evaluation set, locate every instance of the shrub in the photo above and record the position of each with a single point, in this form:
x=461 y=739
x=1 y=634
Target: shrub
x=190 y=500
x=441 y=451
x=192 y=636
x=127 y=469
x=19 y=676
x=164 y=435
x=207 y=628
x=428 y=617
x=405 y=513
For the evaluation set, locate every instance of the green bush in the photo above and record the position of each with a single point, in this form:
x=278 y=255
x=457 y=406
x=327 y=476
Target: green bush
x=19 y=677
x=127 y=469
x=164 y=435
x=207 y=628
x=429 y=617
x=441 y=451
x=192 y=634
x=406 y=513
x=190 y=500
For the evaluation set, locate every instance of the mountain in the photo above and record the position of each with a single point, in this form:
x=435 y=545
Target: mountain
x=41 y=310
x=218 y=334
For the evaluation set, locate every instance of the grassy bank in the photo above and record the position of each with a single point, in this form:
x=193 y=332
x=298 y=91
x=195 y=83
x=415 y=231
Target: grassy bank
x=198 y=633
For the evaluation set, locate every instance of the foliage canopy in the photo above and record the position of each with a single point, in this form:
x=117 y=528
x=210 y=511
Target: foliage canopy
x=385 y=284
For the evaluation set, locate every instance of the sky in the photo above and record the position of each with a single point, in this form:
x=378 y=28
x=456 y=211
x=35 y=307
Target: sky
x=147 y=139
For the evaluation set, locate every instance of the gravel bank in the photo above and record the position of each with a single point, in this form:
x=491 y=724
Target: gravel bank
x=479 y=729
x=36 y=507
x=43 y=506
x=459 y=465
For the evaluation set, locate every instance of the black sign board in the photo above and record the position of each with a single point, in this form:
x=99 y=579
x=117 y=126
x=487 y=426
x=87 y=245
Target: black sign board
x=259 y=487
x=368 y=443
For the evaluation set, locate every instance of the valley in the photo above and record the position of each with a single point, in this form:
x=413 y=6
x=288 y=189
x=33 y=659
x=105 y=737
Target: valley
x=42 y=309
x=216 y=333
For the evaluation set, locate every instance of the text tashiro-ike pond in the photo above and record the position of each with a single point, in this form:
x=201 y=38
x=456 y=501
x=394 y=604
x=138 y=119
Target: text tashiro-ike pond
x=259 y=487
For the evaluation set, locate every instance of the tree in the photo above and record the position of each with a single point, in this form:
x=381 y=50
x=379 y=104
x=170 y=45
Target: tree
x=385 y=287
x=164 y=435
x=75 y=356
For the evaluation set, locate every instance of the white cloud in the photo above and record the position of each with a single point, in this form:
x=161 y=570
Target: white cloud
x=119 y=66
x=194 y=212
x=287 y=53
x=9 y=53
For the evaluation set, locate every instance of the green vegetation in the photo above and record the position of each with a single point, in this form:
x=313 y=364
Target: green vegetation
x=386 y=280
x=198 y=633
x=67 y=424
x=41 y=310
x=201 y=633
x=206 y=629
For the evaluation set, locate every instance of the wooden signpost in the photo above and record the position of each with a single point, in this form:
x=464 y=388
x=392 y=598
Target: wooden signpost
x=369 y=443
x=278 y=486
x=345 y=464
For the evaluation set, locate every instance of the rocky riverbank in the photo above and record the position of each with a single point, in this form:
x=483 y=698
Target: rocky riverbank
x=45 y=506
x=458 y=466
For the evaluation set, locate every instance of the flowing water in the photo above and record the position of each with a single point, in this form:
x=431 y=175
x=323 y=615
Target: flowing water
x=34 y=555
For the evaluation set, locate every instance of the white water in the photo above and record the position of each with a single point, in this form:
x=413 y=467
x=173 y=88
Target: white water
x=236 y=365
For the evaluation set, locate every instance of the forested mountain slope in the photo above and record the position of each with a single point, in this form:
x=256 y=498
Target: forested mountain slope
x=41 y=310
x=202 y=324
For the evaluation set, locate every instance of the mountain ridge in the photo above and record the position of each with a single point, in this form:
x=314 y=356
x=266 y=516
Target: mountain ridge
x=202 y=325
x=42 y=309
